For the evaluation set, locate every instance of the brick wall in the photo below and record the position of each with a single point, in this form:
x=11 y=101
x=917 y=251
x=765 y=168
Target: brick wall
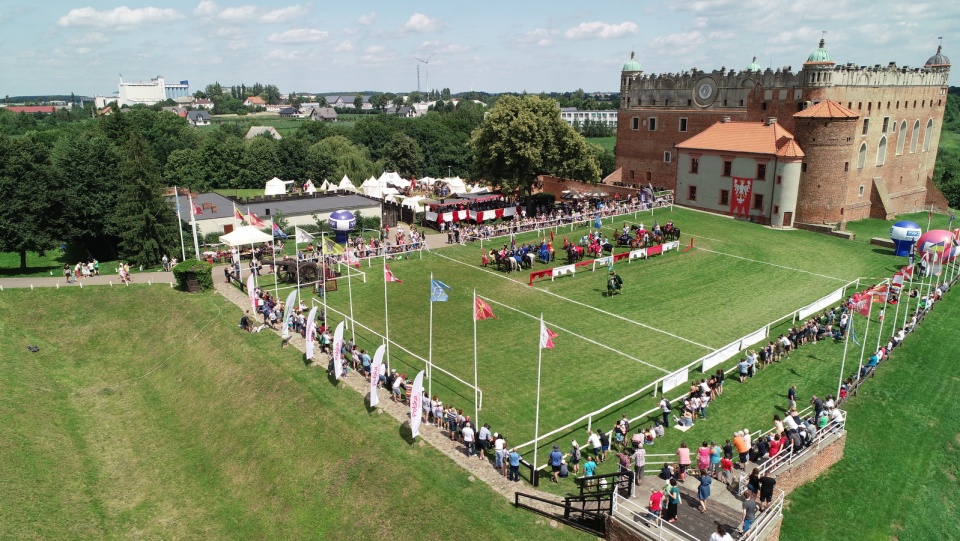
x=814 y=466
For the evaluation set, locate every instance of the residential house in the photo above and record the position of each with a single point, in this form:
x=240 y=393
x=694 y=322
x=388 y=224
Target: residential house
x=254 y=101
x=323 y=114
x=203 y=103
x=289 y=112
x=198 y=118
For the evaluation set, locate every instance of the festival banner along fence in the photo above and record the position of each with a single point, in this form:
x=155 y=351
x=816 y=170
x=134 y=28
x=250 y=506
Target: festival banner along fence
x=311 y=330
x=416 y=405
x=338 y=350
x=288 y=310
x=375 y=369
x=252 y=294
x=742 y=190
x=676 y=379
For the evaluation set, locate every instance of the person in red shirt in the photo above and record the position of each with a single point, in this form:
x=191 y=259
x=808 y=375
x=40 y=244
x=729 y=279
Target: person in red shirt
x=656 y=501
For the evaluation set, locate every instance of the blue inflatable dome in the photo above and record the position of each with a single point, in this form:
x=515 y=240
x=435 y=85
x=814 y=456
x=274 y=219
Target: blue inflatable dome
x=342 y=222
x=904 y=234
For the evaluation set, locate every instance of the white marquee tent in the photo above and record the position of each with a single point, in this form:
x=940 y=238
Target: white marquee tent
x=244 y=235
x=275 y=186
x=346 y=185
x=393 y=179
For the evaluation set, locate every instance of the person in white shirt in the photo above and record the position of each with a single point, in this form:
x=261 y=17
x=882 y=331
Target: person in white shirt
x=467 y=433
x=721 y=534
x=594 y=442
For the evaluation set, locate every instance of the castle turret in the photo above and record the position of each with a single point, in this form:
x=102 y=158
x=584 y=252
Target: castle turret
x=818 y=69
x=630 y=71
x=938 y=61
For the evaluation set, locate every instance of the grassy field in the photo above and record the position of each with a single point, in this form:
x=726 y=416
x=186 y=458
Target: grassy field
x=898 y=477
x=608 y=143
x=203 y=432
x=51 y=263
x=675 y=308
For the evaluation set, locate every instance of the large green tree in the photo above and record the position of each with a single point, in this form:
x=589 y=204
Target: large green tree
x=403 y=156
x=523 y=137
x=145 y=223
x=337 y=156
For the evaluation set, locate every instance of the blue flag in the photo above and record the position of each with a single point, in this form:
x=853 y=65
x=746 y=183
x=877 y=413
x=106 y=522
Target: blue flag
x=597 y=223
x=853 y=334
x=438 y=291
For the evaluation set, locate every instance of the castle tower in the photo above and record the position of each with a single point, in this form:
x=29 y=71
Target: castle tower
x=753 y=67
x=827 y=133
x=630 y=71
x=939 y=61
x=818 y=69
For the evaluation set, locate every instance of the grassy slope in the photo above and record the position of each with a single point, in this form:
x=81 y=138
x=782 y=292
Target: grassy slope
x=898 y=478
x=146 y=415
x=607 y=143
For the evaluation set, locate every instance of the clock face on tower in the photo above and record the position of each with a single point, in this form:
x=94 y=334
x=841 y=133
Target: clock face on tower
x=705 y=91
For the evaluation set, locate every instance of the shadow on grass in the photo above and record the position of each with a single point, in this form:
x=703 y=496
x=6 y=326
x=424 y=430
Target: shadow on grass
x=404 y=431
x=32 y=271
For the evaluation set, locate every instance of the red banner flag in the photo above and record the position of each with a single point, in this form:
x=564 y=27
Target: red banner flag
x=907 y=272
x=742 y=191
x=388 y=275
x=546 y=337
x=861 y=303
x=255 y=221
x=482 y=310
x=898 y=279
x=879 y=293
x=237 y=215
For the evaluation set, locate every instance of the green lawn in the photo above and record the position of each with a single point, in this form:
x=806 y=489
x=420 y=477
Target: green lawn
x=51 y=263
x=607 y=143
x=203 y=432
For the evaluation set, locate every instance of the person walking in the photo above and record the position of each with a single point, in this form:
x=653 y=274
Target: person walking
x=665 y=410
x=749 y=512
x=703 y=491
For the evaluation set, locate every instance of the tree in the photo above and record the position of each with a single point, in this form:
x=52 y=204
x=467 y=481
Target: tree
x=271 y=94
x=337 y=156
x=260 y=162
x=525 y=136
x=292 y=155
x=403 y=156
x=358 y=102
x=144 y=221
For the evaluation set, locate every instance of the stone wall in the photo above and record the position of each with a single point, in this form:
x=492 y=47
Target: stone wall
x=811 y=467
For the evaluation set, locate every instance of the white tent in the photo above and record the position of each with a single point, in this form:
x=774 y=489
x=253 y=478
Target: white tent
x=309 y=187
x=346 y=185
x=372 y=188
x=326 y=186
x=429 y=181
x=245 y=235
x=275 y=186
x=393 y=179
x=389 y=191
x=479 y=189
x=456 y=185
x=414 y=203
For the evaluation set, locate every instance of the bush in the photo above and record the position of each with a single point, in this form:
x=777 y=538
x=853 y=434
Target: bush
x=212 y=238
x=203 y=270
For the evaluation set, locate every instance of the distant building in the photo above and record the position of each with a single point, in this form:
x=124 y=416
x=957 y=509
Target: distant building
x=868 y=135
x=203 y=103
x=259 y=130
x=150 y=92
x=323 y=114
x=254 y=101
x=571 y=115
x=198 y=118
x=30 y=109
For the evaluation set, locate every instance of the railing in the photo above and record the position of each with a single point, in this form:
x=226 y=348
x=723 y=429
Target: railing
x=767 y=519
x=634 y=516
x=587 y=520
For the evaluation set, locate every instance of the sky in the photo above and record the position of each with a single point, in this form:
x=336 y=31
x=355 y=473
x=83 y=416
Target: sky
x=83 y=46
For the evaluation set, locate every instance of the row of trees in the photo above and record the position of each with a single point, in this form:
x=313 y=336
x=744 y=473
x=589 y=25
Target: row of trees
x=946 y=174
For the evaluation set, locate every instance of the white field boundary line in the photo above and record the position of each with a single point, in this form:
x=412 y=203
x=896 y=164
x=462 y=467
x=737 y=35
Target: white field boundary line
x=844 y=280
x=594 y=342
x=630 y=321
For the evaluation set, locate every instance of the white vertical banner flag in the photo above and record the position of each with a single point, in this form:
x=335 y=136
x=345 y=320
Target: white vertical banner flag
x=251 y=294
x=338 y=351
x=416 y=405
x=288 y=311
x=311 y=330
x=375 y=370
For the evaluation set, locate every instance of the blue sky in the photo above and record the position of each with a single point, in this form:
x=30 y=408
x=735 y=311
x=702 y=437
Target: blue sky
x=60 y=46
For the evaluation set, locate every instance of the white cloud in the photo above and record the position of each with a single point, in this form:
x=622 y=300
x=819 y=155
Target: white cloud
x=601 y=30
x=120 y=17
x=418 y=22
x=89 y=39
x=539 y=37
x=238 y=14
x=279 y=54
x=299 y=35
x=344 y=47
x=367 y=18
x=82 y=50
x=375 y=49
x=434 y=47
x=206 y=8
x=284 y=14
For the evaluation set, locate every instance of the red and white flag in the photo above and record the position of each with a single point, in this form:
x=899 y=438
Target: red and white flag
x=907 y=272
x=416 y=403
x=879 y=293
x=376 y=368
x=861 y=303
x=195 y=209
x=255 y=220
x=338 y=351
x=546 y=337
x=352 y=259
x=388 y=275
x=482 y=310
x=237 y=215
x=898 y=279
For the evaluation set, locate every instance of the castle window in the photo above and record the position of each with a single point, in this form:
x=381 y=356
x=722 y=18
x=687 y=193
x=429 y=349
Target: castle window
x=869 y=106
x=886 y=124
x=649 y=176
x=866 y=126
x=689 y=103
x=882 y=151
x=861 y=190
x=776 y=209
x=888 y=105
x=727 y=168
x=859 y=105
x=761 y=171
x=914 y=104
x=862 y=158
x=779 y=179
x=923 y=104
x=849 y=105
x=926 y=135
x=667 y=157
x=691 y=193
x=763 y=106
x=902 y=138
x=846 y=166
x=695 y=165
x=652 y=123
x=635 y=123
x=683 y=124
x=799 y=106
x=915 y=137
x=758 y=201
x=741 y=103
x=724 y=103
x=724 y=197
x=803 y=167
x=898 y=104
x=631 y=174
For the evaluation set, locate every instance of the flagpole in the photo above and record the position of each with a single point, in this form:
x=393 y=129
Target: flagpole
x=929 y=217
x=883 y=308
x=273 y=248
x=476 y=405
x=866 y=330
x=323 y=273
x=906 y=312
x=896 y=314
x=296 y=258
x=386 y=309
x=183 y=249
x=353 y=325
x=430 y=349
x=848 y=332
x=536 y=422
x=193 y=222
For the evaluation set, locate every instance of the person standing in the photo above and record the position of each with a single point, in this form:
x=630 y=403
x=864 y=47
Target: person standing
x=665 y=410
x=604 y=445
x=554 y=460
x=673 y=501
x=703 y=491
x=655 y=507
x=483 y=438
x=589 y=467
x=499 y=451
x=715 y=454
x=683 y=460
x=514 y=459
x=575 y=457
x=749 y=512
x=639 y=462
x=792 y=397
x=721 y=534
x=468 y=438
x=594 y=442
x=766 y=491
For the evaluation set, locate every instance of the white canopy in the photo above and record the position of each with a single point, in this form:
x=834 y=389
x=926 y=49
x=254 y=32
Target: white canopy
x=245 y=235
x=370 y=182
x=456 y=184
x=414 y=203
x=393 y=179
x=326 y=186
x=429 y=181
x=275 y=186
x=346 y=185
x=310 y=188
x=479 y=189
x=389 y=191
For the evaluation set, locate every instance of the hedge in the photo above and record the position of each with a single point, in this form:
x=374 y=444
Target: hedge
x=203 y=270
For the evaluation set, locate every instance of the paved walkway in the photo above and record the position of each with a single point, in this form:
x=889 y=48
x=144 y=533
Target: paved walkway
x=102 y=280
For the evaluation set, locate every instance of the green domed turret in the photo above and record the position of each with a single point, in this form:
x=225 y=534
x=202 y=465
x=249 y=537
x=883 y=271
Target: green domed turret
x=820 y=55
x=753 y=67
x=632 y=64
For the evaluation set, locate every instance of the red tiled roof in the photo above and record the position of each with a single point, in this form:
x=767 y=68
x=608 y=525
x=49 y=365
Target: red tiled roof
x=826 y=109
x=745 y=137
x=33 y=109
x=257 y=100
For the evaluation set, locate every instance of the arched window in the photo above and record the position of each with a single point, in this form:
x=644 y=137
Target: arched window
x=915 y=136
x=882 y=151
x=901 y=137
x=926 y=135
x=863 y=156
